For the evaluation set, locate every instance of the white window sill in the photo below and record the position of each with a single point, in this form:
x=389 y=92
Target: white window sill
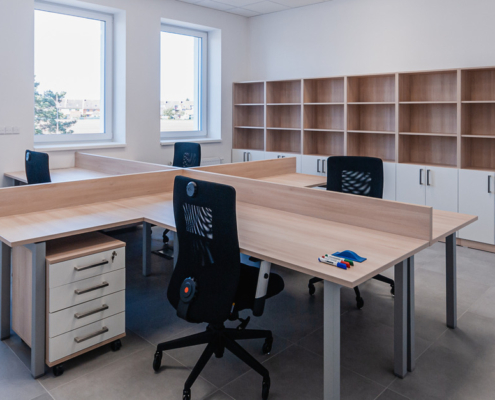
x=171 y=142
x=77 y=146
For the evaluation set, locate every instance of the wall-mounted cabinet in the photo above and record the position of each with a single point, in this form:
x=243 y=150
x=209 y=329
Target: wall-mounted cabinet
x=283 y=116
x=428 y=87
x=249 y=93
x=323 y=143
x=326 y=117
x=326 y=90
x=371 y=117
x=249 y=116
x=371 y=89
x=285 y=141
x=283 y=92
x=428 y=118
x=371 y=145
x=429 y=150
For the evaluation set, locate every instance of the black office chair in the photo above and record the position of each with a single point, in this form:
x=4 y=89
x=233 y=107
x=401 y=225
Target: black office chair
x=186 y=155
x=209 y=283
x=362 y=176
x=37 y=167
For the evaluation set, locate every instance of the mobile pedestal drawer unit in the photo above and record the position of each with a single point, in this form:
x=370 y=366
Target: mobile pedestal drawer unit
x=85 y=296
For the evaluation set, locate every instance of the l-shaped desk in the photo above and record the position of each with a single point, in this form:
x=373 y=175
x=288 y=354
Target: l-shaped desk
x=272 y=217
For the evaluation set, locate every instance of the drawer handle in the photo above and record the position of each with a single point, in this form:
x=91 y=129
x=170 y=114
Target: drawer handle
x=100 y=286
x=88 y=313
x=79 y=269
x=91 y=335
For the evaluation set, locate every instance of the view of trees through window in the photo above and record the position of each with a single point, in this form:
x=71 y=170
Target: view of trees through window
x=69 y=74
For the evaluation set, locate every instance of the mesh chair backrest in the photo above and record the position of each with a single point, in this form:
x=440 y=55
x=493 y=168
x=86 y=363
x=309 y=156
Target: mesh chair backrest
x=187 y=155
x=37 y=167
x=356 y=175
x=208 y=249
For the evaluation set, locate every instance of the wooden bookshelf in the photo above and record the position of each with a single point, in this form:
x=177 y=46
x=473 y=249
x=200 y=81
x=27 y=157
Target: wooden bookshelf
x=371 y=89
x=371 y=117
x=249 y=139
x=478 y=85
x=320 y=143
x=326 y=116
x=283 y=116
x=283 y=92
x=428 y=118
x=430 y=150
x=478 y=153
x=478 y=119
x=371 y=145
x=253 y=116
x=326 y=90
x=284 y=141
x=249 y=93
x=428 y=86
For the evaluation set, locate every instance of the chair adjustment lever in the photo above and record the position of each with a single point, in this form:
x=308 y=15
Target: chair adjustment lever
x=244 y=323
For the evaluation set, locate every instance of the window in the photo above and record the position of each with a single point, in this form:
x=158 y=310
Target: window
x=183 y=83
x=73 y=74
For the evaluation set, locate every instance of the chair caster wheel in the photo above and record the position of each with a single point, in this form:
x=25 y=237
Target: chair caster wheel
x=267 y=346
x=157 y=361
x=359 y=303
x=265 y=389
x=312 y=289
x=116 y=345
x=58 y=370
x=392 y=290
x=186 y=395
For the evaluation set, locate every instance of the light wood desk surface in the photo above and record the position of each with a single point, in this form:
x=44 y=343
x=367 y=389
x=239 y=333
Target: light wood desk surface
x=61 y=175
x=295 y=179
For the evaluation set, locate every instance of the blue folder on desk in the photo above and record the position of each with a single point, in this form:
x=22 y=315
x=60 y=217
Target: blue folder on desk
x=349 y=255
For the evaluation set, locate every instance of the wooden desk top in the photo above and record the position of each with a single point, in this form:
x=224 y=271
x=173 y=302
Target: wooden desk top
x=299 y=180
x=61 y=175
x=445 y=223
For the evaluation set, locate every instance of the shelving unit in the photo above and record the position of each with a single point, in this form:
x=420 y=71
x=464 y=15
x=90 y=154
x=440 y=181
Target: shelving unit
x=318 y=143
x=371 y=145
x=429 y=150
x=428 y=118
x=284 y=92
x=478 y=85
x=249 y=139
x=321 y=116
x=478 y=153
x=371 y=117
x=249 y=93
x=325 y=90
x=253 y=116
x=478 y=119
x=283 y=116
x=284 y=141
x=371 y=89
x=428 y=87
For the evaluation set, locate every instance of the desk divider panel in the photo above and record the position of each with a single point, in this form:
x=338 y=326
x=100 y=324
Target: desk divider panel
x=34 y=198
x=386 y=216
x=254 y=169
x=115 y=166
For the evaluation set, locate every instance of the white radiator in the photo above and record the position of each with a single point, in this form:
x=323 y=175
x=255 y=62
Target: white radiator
x=211 y=161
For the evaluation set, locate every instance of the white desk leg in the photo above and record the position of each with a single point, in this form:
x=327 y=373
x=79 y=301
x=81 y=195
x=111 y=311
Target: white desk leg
x=5 y=252
x=331 y=331
x=411 y=327
x=451 y=257
x=38 y=319
x=400 y=320
x=146 y=249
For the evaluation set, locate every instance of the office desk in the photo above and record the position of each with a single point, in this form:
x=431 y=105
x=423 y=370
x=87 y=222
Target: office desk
x=59 y=175
x=298 y=180
x=269 y=226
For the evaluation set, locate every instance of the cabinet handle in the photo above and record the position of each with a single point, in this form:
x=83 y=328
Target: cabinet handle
x=318 y=165
x=91 y=335
x=489 y=188
x=91 y=312
x=79 y=269
x=249 y=156
x=244 y=157
x=323 y=166
x=428 y=177
x=100 y=286
x=421 y=176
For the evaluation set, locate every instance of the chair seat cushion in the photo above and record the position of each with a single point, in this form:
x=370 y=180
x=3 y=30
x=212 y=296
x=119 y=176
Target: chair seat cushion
x=248 y=282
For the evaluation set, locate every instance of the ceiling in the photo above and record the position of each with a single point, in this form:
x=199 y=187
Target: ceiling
x=251 y=8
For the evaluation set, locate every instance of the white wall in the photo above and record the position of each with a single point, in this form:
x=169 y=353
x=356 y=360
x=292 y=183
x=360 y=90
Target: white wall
x=142 y=77
x=346 y=37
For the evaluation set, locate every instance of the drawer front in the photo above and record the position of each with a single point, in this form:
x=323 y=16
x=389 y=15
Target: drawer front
x=66 y=344
x=85 y=267
x=66 y=320
x=89 y=289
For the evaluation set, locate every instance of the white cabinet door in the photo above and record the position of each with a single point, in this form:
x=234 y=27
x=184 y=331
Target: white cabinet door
x=389 y=173
x=247 y=155
x=476 y=197
x=314 y=165
x=269 y=155
x=411 y=184
x=442 y=188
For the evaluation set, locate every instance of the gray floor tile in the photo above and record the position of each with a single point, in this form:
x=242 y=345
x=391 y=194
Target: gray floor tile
x=94 y=360
x=134 y=378
x=218 y=396
x=484 y=305
x=16 y=381
x=297 y=374
x=45 y=396
x=389 y=395
x=460 y=365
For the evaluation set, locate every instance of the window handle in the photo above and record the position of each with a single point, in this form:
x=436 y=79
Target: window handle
x=318 y=165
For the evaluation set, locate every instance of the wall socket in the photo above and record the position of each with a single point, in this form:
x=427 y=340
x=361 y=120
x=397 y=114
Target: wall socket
x=9 y=130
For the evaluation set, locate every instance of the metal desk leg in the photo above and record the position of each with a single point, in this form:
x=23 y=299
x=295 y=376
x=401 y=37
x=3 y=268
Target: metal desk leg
x=400 y=320
x=411 y=348
x=38 y=251
x=331 y=331
x=5 y=252
x=451 y=257
x=146 y=249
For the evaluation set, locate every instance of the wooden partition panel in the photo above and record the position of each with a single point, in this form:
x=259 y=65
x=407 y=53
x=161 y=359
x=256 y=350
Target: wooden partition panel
x=382 y=215
x=33 y=198
x=115 y=166
x=254 y=169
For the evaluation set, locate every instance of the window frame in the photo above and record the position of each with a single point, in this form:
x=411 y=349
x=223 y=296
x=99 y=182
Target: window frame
x=202 y=72
x=106 y=69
